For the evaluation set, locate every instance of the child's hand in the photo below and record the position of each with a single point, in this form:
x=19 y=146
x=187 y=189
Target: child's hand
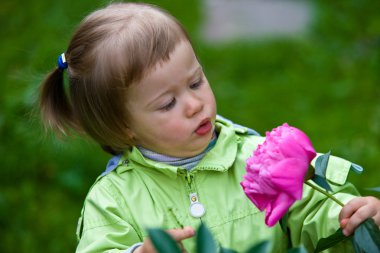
x=178 y=235
x=357 y=211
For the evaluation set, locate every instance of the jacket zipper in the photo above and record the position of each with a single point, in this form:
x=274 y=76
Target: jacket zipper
x=196 y=208
x=189 y=179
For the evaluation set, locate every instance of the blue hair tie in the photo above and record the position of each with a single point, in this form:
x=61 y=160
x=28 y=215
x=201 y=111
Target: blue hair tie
x=62 y=64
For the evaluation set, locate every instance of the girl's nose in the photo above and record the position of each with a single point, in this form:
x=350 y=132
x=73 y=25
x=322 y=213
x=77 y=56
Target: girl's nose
x=193 y=105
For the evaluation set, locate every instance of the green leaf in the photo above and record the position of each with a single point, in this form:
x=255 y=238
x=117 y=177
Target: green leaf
x=205 y=241
x=331 y=241
x=367 y=237
x=162 y=241
x=261 y=247
x=322 y=182
x=356 y=247
x=320 y=171
x=300 y=249
x=224 y=250
x=321 y=164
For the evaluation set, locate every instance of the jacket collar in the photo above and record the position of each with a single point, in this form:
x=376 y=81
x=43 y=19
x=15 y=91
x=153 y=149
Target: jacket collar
x=219 y=158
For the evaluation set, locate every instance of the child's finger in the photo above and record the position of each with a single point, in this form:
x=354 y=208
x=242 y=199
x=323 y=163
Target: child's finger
x=180 y=234
x=357 y=211
x=351 y=208
x=376 y=218
x=357 y=218
x=343 y=223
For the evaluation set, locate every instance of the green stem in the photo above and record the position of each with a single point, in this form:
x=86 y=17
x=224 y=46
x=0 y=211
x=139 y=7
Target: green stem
x=324 y=192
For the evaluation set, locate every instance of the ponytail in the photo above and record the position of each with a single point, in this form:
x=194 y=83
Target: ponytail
x=56 y=110
x=101 y=65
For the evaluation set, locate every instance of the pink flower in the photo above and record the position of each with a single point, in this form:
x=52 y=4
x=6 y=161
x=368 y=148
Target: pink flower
x=276 y=171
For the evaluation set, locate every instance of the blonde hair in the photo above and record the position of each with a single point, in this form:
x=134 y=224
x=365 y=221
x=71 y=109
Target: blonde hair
x=111 y=49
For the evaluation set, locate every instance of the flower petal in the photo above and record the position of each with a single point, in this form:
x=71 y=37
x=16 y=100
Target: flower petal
x=258 y=198
x=290 y=148
x=304 y=141
x=288 y=176
x=277 y=209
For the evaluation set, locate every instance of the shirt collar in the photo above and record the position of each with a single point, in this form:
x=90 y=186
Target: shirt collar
x=219 y=158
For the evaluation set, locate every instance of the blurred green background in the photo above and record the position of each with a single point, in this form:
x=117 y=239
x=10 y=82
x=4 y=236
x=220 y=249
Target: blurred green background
x=325 y=82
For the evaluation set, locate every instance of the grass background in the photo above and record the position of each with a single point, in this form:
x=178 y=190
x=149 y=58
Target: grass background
x=325 y=82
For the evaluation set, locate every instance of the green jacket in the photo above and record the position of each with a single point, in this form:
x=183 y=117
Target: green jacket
x=140 y=193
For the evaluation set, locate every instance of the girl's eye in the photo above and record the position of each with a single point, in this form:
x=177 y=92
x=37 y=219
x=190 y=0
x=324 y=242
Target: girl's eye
x=169 y=105
x=196 y=85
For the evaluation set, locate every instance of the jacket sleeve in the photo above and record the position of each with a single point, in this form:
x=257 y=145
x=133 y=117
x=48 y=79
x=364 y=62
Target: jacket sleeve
x=316 y=216
x=104 y=225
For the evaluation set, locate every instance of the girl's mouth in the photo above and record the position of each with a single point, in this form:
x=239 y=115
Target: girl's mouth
x=204 y=128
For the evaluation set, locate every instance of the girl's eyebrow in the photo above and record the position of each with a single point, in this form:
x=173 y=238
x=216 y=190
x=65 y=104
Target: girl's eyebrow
x=154 y=99
x=196 y=72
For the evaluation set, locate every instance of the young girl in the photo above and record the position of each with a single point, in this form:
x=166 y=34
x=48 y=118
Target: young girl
x=137 y=88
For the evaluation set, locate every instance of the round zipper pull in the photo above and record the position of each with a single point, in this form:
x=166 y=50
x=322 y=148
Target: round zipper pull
x=196 y=209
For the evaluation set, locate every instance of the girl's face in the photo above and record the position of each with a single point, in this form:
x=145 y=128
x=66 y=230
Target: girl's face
x=173 y=108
